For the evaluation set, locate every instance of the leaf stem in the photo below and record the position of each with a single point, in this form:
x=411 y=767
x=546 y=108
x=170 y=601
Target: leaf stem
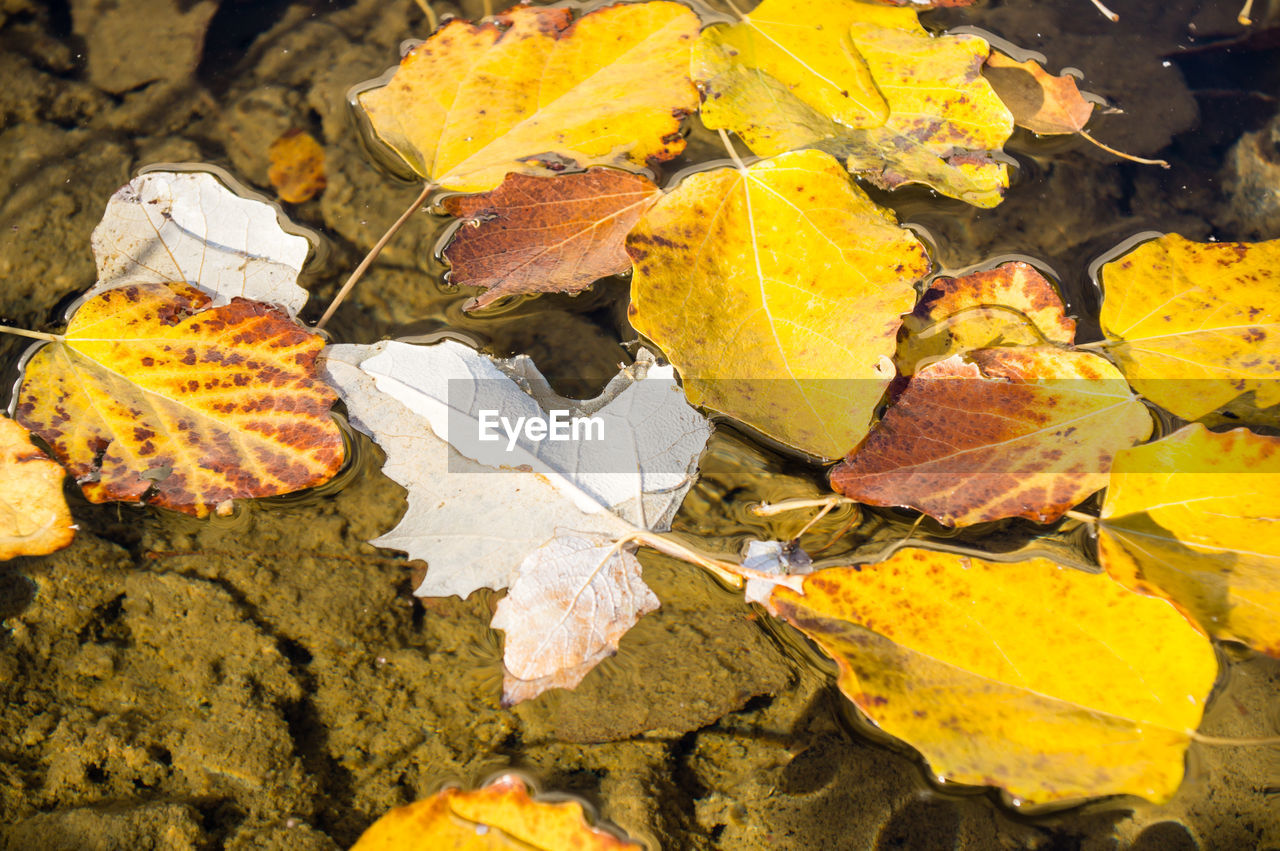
x=1082 y=517
x=34 y=335
x=1231 y=740
x=1243 y=17
x=725 y=571
x=374 y=252
x=432 y=20
x=739 y=12
x=1096 y=346
x=1121 y=154
x=728 y=146
x=769 y=509
x=1111 y=16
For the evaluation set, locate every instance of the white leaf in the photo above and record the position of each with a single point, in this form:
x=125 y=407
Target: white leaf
x=569 y=604
x=166 y=226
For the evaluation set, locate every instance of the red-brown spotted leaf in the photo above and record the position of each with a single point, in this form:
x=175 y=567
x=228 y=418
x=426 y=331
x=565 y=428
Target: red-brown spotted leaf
x=546 y=234
x=1039 y=101
x=153 y=395
x=1013 y=432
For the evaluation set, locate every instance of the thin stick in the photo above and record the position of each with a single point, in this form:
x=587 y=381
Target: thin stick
x=728 y=146
x=1243 y=17
x=1081 y=516
x=488 y=8
x=1121 y=154
x=432 y=20
x=374 y=252
x=667 y=546
x=1096 y=346
x=1227 y=740
x=35 y=335
x=769 y=509
x=1111 y=16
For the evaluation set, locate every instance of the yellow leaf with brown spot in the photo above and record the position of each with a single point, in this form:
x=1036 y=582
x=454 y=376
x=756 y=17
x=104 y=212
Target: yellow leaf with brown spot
x=535 y=92
x=1010 y=305
x=1048 y=681
x=1195 y=517
x=500 y=815
x=1039 y=101
x=34 y=519
x=1195 y=325
x=297 y=167
x=864 y=82
x=152 y=395
x=776 y=291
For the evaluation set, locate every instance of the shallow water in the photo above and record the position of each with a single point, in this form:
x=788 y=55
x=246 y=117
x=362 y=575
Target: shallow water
x=268 y=680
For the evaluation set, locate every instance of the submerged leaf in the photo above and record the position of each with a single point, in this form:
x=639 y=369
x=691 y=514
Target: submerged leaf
x=535 y=92
x=165 y=227
x=1048 y=681
x=1039 y=101
x=297 y=167
x=1194 y=325
x=1195 y=517
x=1010 y=305
x=1013 y=432
x=427 y=407
x=545 y=234
x=863 y=82
x=34 y=518
x=153 y=394
x=789 y=323
x=500 y=815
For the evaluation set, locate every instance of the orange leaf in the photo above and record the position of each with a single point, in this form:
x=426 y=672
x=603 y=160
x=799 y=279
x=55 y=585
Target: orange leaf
x=1013 y=432
x=150 y=395
x=1039 y=101
x=1012 y=304
x=499 y=815
x=34 y=519
x=1049 y=681
x=546 y=234
x=297 y=167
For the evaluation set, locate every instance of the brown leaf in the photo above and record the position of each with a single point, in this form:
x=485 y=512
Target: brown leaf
x=34 y=519
x=153 y=395
x=1012 y=432
x=545 y=234
x=297 y=167
x=1040 y=102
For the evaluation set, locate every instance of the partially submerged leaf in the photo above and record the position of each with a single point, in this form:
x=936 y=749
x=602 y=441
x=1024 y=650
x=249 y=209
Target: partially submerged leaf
x=864 y=82
x=788 y=325
x=498 y=816
x=1048 y=681
x=165 y=227
x=153 y=394
x=1195 y=517
x=1012 y=432
x=425 y=406
x=1194 y=325
x=533 y=91
x=1010 y=305
x=297 y=167
x=545 y=234
x=34 y=519
x=1039 y=101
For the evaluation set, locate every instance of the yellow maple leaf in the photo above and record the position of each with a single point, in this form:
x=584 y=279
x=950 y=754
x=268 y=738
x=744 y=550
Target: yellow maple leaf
x=151 y=395
x=499 y=815
x=1195 y=517
x=776 y=291
x=862 y=81
x=1048 y=681
x=34 y=519
x=1194 y=325
x=526 y=92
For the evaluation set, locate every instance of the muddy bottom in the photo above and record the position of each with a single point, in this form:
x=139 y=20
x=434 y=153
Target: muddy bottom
x=268 y=681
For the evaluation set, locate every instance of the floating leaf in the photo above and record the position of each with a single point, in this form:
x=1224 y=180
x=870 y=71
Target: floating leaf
x=1195 y=517
x=1039 y=101
x=500 y=815
x=1013 y=432
x=34 y=519
x=297 y=167
x=526 y=92
x=167 y=227
x=545 y=234
x=789 y=323
x=1049 y=681
x=153 y=394
x=1010 y=305
x=1193 y=325
x=560 y=499
x=863 y=82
